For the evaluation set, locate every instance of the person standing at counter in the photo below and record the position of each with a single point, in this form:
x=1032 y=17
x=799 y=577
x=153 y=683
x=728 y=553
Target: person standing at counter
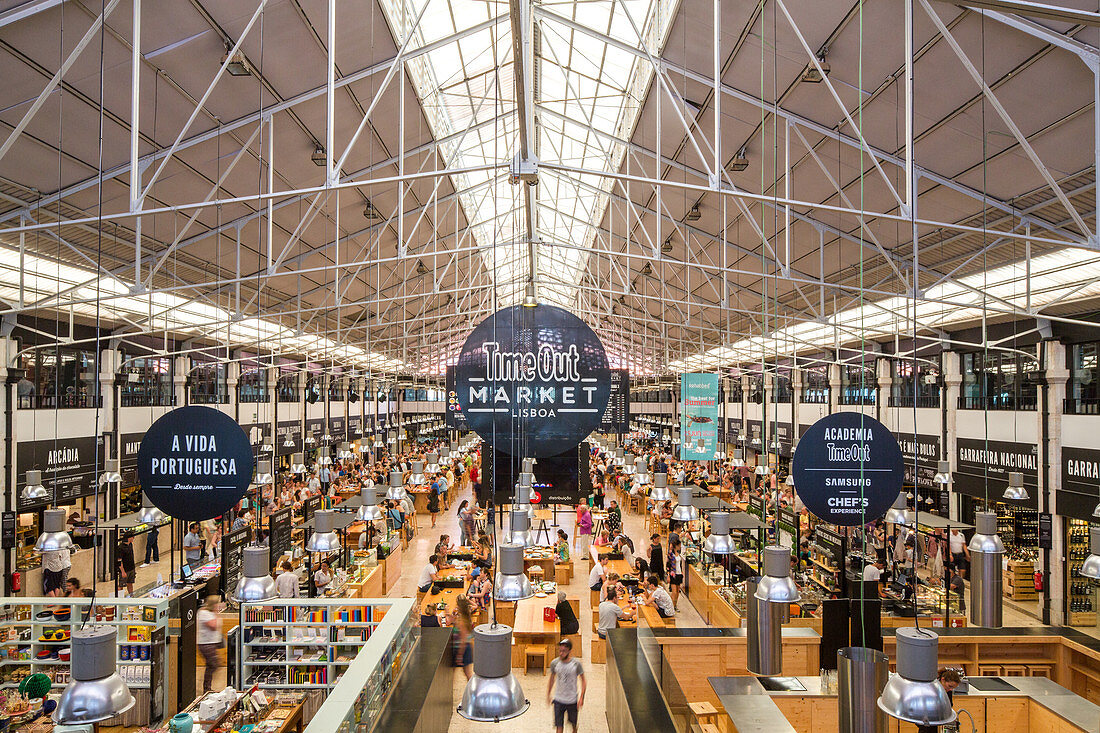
x=287 y=582
x=433 y=501
x=152 y=550
x=322 y=577
x=960 y=553
x=324 y=478
x=192 y=544
x=56 y=565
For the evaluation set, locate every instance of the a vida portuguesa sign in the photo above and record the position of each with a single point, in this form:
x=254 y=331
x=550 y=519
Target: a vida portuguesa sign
x=532 y=381
x=848 y=469
x=195 y=463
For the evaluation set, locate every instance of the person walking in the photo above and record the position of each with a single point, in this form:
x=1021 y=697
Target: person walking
x=210 y=638
x=567 y=695
x=152 y=549
x=433 y=501
x=125 y=564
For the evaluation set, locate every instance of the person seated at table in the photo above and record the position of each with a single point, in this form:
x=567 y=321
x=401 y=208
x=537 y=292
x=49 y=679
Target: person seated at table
x=566 y=618
x=428 y=574
x=562 y=547
x=610 y=613
x=621 y=543
x=658 y=597
x=484 y=537
x=603 y=540
x=610 y=586
x=443 y=548
x=429 y=619
x=481 y=589
x=641 y=567
x=483 y=553
x=599 y=572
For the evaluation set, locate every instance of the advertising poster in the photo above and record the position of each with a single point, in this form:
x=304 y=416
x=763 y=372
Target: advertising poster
x=68 y=467
x=698 y=416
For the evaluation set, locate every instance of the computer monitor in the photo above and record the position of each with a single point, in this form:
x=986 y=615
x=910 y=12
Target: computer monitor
x=186 y=572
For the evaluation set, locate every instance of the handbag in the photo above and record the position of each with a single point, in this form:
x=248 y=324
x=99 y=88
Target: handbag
x=549 y=615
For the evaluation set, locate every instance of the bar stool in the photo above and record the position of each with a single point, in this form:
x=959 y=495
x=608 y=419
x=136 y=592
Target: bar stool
x=704 y=712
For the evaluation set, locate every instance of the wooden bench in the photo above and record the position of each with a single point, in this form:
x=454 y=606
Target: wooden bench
x=563 y=573
x=534 y=653
x=654 y=620
x=599 y=650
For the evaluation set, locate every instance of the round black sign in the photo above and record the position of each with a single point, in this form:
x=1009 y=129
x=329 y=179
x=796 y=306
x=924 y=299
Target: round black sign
x=195 y=463
x=848 y=469
x=533 y=381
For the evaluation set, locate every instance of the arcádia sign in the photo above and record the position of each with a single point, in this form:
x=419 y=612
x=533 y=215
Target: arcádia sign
x=848 y=469
x=533 y=381
x=195 y=463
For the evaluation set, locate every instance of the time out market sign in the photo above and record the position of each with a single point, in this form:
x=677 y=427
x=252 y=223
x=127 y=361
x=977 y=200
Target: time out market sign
x=533 y=381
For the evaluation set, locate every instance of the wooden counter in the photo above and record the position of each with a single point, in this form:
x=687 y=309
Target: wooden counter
x=723 y=615
x=391 y=571
x=700 y=592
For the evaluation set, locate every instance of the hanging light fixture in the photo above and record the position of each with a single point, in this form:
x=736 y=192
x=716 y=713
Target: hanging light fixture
x=511 y=582
x=685 y=511
x=416 y=476
x=525 y=491
x=33 y=490
x=53 y=537
x=913 y=695
x=256 y=583
x=263 y=473
x=1090 y=568
x=96 y=691
x=493 y=693
x=265 y=443
x=289 y=441
x=1015 y=490
x=402 y=434
x=620 y=457
x=986 y=583
x=628 y=464
x=943 y=473
x=738 y=457
x=310 y=440
x=150 y=514
x=529 y=299
x=641 y=471
x=391 y=437
x=660 y=491
x=763 y=469
x=324 y=538
x=898 y=512
x=396 y=491
x=776 y=585
x=719 y=542
x=519 y=527
x=343 y=452
x=433 y=463
x=298 y=463
x=110 y=473
x=377 y=442
x=368 y=511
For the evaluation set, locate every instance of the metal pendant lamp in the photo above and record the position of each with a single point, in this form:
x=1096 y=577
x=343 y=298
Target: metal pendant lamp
x=685 y=511
x=150 y=514
x=53 y=537
x=1015 y=490
x=525 y=491
x=628 y=464
x=519 y=527
x=324 y=537
x=391 y=437
x=898 y=513
x=33 y=490
x=1090 y=568
x=298 y=463
x=493 y=693
x=660 y=491
x=719 y=542
x=641 y=471
x=511 y=582
x=913 y=695
x=396 y=491
x=289 y=441
x=96 y=691
x=416 y=476
x=256 y=583
x=620 y=456
x=776 y=585
x=763 y=469
x=986 y=582
x=266 y=445
x=310 y=440
x=368 y=511
x=326 y=457
x=110 y=473
x=862 y=674
x=263 y=473
x=377 y=442
x=738 y=457
x=769 y=608
x=343 y=451
x=943 y=474
x=433 y=463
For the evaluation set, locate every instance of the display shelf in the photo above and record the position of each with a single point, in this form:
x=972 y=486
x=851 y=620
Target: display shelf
x=1080 y=592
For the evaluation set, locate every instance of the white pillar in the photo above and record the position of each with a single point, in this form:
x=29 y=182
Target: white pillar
x=1057 y=375
x=952 y=380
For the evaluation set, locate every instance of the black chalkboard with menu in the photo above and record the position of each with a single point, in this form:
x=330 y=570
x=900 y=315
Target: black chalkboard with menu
x=616 y=417
x=279 y=526
x=233 y=544
x=310 y=507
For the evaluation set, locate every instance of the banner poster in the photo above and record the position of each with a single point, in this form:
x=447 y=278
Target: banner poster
x=456 y=419
x=128 y=446
x=291 y=429
x=560 y=479
x=924 y=451
x=68 y=467
x=698 y=416
x=616 y=418
x=983 y=467
x=337 y=428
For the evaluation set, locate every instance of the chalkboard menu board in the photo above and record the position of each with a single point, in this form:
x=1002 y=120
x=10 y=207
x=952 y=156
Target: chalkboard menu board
x=310 y=507
x=68 y=468
x=233 y=544
x=128 y=446
x=156 y=674
x=7 y=531
x=756 y=506
x=616 y=417
x=788 y=527
x=279 y=526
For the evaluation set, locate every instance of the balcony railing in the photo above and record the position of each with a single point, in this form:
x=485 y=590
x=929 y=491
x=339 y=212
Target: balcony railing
x=815 y=396
x=908 y=400
x=53 y=402
x=147 y=400
x=1082 y=406
x=998 y=402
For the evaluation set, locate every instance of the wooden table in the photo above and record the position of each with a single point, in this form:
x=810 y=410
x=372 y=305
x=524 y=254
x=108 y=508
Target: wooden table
x=531 y=629
x=447 y=595
x=546 y=563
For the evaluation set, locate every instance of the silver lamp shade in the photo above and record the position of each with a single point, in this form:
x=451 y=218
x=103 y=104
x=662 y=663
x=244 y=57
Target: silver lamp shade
x=641 y=471
x=986 y=582
x=33 y=490
x=377 y=442
x=343 y=451
x=53 y=537
x=288 y=442
x=660 y=491
x=493 y=693
x=402 y=434
x=416 y=476
x=298 y=463
x=1015 y=490
x=96 y=692
x=326 y=457
x=391 y=437
x=511 y=582
x=913 y=694
x=310 y=440
x=324 y=537
x=519 y=527
x=1090 y=568
x=396 y=491
x=263 y=473
x=433 y=463
x=525 y=491
x=445 y=454
x=943 y=473
x=764 y=632
x=265 y=443
x=738 y=457
x=110 y=473
x=861 y=676
x=369 y=510
x=150 y=514
x=719 y=542
x=620 y=456
x=628 y=464
x=898 y=512
x=256 y=583
x=762 y=470
x=776 y=585
x=685 y=511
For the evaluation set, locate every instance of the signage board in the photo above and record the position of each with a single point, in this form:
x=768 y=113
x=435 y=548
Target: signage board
x=69 y=468
x=279 y=528
x=983 y=467
x=195 y=463
x=698 y=416
x=923 y=451
x=233 y=544
x=316 y=428
x=293 y=429
x=1079 y=492
x=355 y=427
x=310 y=507
x=848 y=469
x=733 y=429
x=616 y=417
x=456 y=419
x=560 y=479
x=533 y=381
x=7 y=531
x=1046 y=531
x=128 y=446
x=337 y=428
x=755 y=435
x=255 y=432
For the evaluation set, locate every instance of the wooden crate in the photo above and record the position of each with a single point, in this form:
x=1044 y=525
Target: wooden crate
x=1082 y=618
x=1019 y=585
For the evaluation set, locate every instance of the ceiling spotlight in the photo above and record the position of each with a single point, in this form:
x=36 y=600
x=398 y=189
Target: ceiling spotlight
x=740 y=161
x=370 y=211
x=237 y=65
x=693 y=214
x=421 y=268
x=811 y=75
x=529 y=299
x=667 y=246
x=319 y=158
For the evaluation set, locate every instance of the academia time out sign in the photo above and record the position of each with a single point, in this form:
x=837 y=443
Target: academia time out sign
x=195 y=463
x=848 y=469
x=532 y=381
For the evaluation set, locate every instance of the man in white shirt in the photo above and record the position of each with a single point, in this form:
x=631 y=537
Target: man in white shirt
x=873 y=571
x=314 y=484
x=428 y=575
x=55 y=568
x=659 y=598
x=960 y=553
x=599 y=571
x=610 y=615
x=287 y=583
x=324 y=476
